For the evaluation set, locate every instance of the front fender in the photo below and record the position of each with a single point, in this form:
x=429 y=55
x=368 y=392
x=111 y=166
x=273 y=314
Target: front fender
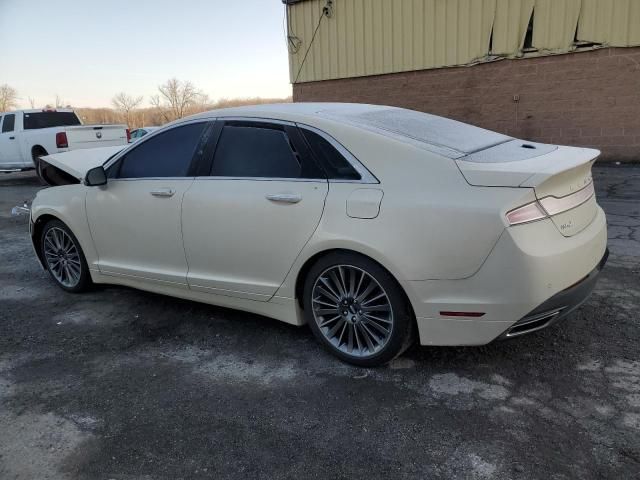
x=68 y=204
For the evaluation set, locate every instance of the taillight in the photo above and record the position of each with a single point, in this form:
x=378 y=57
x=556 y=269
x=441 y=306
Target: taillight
x=549 y=206
x=61 y=140
x=554 y=205
x=128 y=135
x=526 y=213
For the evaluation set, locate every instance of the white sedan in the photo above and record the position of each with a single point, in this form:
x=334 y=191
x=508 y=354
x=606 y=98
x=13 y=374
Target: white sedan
x=374 y=225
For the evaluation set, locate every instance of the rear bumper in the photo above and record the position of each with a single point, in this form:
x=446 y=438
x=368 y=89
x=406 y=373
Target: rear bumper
x=530 y=265
x=558 y=306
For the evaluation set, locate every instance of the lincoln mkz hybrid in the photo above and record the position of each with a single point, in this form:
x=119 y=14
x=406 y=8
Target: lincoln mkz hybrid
x=374 y=225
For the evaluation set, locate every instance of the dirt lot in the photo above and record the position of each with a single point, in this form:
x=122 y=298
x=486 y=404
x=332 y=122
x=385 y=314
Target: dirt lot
x=123 y=384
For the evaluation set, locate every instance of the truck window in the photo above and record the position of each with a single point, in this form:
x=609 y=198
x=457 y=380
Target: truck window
x=35 y=120
x=9 y=121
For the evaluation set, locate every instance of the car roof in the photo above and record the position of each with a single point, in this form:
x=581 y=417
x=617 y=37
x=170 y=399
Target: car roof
x=441 y=135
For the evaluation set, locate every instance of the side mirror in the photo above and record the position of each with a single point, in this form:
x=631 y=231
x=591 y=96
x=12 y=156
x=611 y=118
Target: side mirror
x=96 y=177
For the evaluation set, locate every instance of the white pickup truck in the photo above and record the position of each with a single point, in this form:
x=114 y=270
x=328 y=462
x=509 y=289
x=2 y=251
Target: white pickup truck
x=27 y=135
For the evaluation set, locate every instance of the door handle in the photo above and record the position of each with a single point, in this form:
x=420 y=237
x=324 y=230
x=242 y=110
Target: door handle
x=284 y=197
x=12 y=138
x=163 y=192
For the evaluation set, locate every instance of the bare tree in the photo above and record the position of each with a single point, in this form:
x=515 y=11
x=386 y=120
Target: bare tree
x=32 y=102
x=202 y=104
x=178 y=96
x=126 y=104
x=157 y=106
x=8 y=98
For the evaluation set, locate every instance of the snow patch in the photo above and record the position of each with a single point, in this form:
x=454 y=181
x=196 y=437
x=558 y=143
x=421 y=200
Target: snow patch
x=452 y=384
x=36 y=445
x=229 y=367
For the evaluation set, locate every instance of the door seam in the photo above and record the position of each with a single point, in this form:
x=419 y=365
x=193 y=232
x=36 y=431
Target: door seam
x=184 y=250
x=324 y=205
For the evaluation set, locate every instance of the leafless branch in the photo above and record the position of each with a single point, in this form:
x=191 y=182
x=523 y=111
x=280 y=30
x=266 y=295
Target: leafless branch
x=8 y=98
x=126 y=104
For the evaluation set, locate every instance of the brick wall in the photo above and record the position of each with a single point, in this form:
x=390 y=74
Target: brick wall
x=585 y=99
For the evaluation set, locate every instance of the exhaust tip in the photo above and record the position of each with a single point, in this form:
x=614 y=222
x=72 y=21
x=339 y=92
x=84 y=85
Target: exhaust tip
x=534 y=323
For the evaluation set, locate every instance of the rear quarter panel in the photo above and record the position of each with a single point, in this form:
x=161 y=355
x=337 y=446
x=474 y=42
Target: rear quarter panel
x=432 y=224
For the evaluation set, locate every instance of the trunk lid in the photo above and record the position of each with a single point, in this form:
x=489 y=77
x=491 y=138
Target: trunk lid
x=92 y=136
x=560 y=176
x=77 y=162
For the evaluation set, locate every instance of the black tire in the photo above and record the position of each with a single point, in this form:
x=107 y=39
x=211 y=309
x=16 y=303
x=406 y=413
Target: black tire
x=84 y=280
x=401 y=316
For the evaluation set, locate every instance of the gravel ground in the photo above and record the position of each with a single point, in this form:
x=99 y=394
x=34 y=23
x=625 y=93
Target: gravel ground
x=121 y=384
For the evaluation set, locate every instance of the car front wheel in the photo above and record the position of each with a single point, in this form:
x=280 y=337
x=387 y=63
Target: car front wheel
x=357 y=310
x=63 y=257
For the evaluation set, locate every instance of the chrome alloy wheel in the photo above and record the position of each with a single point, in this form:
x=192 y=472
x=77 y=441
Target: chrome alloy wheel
x=352 y=310
x=62 y=257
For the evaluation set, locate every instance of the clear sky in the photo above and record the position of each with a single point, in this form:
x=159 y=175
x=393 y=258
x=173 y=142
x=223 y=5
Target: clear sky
x=86 y=51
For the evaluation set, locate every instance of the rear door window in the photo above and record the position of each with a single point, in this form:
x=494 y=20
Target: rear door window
x=8 y=123
x=259 y=151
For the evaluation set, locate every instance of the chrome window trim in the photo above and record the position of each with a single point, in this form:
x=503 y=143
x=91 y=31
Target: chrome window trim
x=266 y=179
x=365 y=175
x=148 y=137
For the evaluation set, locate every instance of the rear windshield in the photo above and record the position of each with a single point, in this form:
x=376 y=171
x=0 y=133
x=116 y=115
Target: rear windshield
x=33 y=121
x=448 y=137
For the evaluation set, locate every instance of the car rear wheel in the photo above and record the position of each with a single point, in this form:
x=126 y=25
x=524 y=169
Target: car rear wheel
x=357 y=310
x=64 y=258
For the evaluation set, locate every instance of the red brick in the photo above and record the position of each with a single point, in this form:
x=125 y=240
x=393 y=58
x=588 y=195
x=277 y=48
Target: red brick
x=591 y=131
x=612 y=131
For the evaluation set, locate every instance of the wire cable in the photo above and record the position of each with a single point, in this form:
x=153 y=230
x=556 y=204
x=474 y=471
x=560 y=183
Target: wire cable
x=322 y=15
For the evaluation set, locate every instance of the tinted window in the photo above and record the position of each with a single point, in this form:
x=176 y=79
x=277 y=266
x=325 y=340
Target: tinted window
x=9 y=121
x=168 y=154
x=33 y=121
x=244 y=151
x=336 y=166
